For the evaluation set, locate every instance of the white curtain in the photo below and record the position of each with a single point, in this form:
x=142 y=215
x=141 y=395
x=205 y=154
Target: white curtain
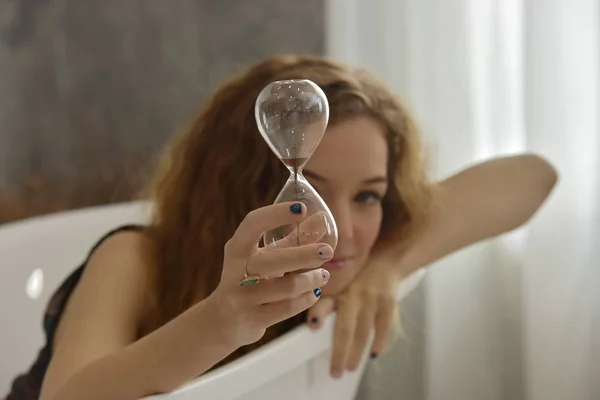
x=517 y=317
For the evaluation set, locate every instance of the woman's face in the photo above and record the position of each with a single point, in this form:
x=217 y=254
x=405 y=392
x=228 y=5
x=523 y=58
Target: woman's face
x=349 y=170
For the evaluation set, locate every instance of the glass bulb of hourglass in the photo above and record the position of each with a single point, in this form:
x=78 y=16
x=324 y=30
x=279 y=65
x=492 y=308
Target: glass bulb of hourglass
x=292 y=116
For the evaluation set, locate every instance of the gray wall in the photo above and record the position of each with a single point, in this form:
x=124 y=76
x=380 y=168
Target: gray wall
x=90 y=90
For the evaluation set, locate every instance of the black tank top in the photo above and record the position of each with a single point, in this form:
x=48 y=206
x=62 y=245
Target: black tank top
x=28 y=386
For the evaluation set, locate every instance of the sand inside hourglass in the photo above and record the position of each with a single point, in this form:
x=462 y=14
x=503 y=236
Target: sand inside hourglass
x=292 y=116
x=295 y=164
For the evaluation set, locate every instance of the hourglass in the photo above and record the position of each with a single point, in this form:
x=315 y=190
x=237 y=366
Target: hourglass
x=292 y=116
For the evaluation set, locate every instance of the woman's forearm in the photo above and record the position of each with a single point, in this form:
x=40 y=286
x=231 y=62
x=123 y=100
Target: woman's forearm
x=478 y=203
x=158 y=363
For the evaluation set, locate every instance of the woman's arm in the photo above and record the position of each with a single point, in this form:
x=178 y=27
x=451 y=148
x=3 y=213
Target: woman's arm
x=158 y=363
x=478 y=203
x=481 y=202
x=96 y=354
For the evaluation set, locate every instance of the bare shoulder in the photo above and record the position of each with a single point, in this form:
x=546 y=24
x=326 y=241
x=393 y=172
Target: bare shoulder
x=119 y=268
x=120 y=260
x=123 y=254
x=106 y=309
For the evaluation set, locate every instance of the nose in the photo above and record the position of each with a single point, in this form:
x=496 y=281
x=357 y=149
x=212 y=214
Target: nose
x=343 y=220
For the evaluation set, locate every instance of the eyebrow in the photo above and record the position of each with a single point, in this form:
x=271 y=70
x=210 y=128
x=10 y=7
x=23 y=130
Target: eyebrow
x=375 y=179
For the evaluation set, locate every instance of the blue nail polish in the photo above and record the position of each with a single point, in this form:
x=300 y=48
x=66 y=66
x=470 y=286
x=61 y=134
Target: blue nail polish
x=296 y=208
x=317 y=292
x=314 y=320
x=373 y=356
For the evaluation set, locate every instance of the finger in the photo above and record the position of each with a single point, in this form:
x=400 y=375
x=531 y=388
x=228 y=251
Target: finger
x=258 y=221
x=318 y=312
x=383 y=323
x=364 y=326
x=311 y=230
x=343 y=335
x=273 y=313
x=276 y=262
x=286 y=287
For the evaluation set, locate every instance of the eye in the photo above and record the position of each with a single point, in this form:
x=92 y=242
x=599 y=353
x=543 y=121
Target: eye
x=368 y=197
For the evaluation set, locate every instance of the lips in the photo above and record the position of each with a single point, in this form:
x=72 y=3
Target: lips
x=337 y=263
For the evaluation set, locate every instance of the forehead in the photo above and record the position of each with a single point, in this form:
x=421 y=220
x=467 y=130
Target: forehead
x=354 y=148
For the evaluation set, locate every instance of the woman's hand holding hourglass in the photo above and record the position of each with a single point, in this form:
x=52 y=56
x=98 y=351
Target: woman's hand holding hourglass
x=274 y=294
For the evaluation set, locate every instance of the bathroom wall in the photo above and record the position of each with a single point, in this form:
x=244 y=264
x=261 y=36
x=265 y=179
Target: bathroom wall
x=91 y=90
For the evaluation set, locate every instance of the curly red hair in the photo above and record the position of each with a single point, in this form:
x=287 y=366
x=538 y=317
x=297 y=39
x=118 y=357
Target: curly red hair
x=220 y=168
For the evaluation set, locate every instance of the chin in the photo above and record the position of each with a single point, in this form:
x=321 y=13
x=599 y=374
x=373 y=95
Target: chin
x=332 y=289
x=341 y=278
x=336 y=285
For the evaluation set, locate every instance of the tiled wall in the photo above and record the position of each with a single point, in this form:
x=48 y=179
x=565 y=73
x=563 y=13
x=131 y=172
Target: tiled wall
x=90 y=90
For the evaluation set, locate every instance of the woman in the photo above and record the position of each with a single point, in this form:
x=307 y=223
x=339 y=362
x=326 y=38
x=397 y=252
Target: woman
x=162 y=304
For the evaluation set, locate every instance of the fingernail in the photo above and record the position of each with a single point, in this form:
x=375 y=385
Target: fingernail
x=373 y=356
x=336 y=373
x=317 y=292
x=325 y=252
x=296 y=208
x=314 y=320
x=325 y=275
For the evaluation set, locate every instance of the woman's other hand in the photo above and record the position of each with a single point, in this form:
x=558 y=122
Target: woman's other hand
x=367 y=305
